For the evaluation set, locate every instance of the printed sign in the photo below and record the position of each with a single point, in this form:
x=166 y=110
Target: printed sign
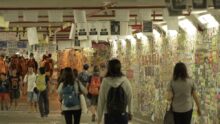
x=82 y=31
x=92 y=26
x=147 y=26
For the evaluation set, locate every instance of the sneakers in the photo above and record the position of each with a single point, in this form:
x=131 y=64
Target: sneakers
x=93 y=118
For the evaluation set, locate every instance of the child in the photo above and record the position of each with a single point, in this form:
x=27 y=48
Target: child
x=4 y=91
x=15 y=88
x=41 y=86
x=29 y=80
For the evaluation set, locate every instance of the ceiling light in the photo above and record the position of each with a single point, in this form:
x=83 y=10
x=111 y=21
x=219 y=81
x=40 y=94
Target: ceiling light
x=208 y=20
x=187 y=26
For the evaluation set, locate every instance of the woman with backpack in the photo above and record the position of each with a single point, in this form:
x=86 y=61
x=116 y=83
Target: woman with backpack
x=93 y=90
x=115 y=96
x=69 y=92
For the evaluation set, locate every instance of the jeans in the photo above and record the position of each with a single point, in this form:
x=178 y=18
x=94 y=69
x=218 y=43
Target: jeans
x=116 y=119
x=43 y=103
x=183 y=118
x=69 y=114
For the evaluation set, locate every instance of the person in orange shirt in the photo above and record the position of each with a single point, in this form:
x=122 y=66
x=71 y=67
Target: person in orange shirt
x=2 y=65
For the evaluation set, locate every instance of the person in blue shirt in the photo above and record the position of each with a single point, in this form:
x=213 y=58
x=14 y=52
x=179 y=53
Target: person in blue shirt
x=4 y=91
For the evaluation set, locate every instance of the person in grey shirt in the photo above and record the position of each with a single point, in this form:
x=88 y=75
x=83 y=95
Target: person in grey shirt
x=182 y=91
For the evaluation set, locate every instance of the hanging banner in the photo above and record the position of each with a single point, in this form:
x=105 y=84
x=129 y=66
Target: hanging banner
x=178 y=4
x=72 y=31
x=104 y=29
x=124 y=28
x=82 y=31
x=3 y=44
x=144 y=14
x=216 y=4
x=147 y=26
x=93 y=30
x=31 y=16
x=32 y=36
x=79 y=16
x=55 y=16
x=199 y=4
x=122 y=15
x=115 y=28
x=172 y=23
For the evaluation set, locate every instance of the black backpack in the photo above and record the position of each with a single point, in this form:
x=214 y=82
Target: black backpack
x=116 y=100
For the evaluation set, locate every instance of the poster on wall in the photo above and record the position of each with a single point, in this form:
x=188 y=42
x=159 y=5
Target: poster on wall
x=115 y=28
x=216 y=4
x=102 y=52
x=199 y=4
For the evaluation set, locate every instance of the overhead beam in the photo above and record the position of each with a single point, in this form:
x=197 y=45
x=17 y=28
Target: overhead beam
x=82 y=8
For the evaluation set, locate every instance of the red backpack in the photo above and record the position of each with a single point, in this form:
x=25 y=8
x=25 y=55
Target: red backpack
x=94 y=85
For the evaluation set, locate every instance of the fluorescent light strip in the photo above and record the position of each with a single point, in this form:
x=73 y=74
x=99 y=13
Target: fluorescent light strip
x=208 y=20
x=187 y=26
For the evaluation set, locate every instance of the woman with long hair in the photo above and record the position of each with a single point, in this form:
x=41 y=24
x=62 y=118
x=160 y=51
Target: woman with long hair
x=115 y=96
x=181 y=92
x=69 y=91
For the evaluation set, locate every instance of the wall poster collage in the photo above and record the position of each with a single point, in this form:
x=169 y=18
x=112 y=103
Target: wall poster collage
x=150 y=70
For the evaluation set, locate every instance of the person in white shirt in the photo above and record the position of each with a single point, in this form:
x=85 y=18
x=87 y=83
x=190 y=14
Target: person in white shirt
x=29 y=80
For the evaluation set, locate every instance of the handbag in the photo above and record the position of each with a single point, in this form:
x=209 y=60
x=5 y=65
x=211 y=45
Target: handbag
x=169 y=117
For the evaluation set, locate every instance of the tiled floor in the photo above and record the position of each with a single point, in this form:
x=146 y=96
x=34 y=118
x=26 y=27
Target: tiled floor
x=22 y=116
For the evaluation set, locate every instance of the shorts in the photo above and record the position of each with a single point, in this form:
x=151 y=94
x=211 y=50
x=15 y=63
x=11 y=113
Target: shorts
x=32 y=97
x=15 y=94
x=4 y=96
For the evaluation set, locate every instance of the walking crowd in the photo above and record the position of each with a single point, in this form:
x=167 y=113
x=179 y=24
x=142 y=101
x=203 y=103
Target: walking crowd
x=106 y=96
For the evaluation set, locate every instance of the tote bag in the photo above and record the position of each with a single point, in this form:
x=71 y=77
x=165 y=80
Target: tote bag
x=83 y=103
